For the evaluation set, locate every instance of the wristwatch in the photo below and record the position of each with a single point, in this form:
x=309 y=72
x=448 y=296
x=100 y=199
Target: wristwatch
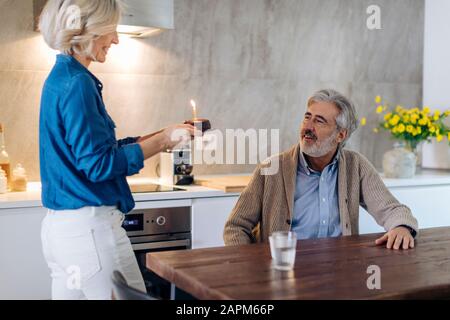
x=413 y=232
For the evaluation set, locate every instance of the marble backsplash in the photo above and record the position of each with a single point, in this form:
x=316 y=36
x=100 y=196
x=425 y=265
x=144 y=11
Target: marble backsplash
x=248 y=64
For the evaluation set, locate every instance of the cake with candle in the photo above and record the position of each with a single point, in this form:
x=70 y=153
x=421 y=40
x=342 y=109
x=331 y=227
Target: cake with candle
x=199 y=123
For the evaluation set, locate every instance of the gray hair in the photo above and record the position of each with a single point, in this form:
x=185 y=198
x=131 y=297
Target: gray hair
x=347 y=118
x=71 y=26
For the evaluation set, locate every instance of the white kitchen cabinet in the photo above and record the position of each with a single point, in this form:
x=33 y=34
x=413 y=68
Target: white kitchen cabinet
x=430 y=205
x=23 y=271
x=208 y=220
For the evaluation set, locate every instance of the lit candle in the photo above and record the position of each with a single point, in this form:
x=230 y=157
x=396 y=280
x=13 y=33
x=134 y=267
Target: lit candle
x=194 y=110
x=199 y=123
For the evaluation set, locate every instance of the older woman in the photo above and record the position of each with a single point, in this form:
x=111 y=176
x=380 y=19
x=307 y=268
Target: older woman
x=83 y=165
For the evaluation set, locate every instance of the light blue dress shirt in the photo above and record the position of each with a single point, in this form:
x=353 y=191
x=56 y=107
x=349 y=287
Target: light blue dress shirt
x=316 y=209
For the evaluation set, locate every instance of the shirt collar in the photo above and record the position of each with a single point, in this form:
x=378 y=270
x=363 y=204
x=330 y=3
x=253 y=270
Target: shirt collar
x=304 y=166
x=77 y=65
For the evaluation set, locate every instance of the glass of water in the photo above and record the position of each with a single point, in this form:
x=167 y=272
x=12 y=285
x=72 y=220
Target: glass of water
x=282 y=249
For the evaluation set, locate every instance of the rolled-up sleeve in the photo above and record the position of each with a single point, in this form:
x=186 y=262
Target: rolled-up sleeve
x=379 y=202
x=95 y=150
x=129 y=140
x=135 y=158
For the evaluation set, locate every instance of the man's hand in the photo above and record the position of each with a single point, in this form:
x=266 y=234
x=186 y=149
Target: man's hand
x=397 y=238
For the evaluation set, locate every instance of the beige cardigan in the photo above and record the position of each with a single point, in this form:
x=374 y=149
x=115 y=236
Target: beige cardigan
x=266 y=204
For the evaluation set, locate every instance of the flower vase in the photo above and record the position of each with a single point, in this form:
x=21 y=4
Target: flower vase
x=400 y=162
x=416 y=148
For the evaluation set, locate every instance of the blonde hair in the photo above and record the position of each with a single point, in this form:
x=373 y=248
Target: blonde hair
x=71 y=26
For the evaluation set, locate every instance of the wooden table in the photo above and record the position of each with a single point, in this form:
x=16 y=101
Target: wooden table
x=332 y=268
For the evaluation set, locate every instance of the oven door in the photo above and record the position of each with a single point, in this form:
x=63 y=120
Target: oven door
x=153 y=230
x=155 y=285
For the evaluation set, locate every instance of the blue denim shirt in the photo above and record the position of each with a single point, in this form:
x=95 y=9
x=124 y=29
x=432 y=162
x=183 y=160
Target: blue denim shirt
x=316 y=209
x=81 y=162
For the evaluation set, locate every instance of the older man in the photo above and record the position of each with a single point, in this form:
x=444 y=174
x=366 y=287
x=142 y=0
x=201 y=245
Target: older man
x=320 y=186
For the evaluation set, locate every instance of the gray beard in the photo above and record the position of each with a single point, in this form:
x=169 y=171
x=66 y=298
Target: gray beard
x=320 y=149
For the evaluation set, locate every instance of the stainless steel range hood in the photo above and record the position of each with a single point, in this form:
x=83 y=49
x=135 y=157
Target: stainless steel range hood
x=144 y=17
x=140 y=18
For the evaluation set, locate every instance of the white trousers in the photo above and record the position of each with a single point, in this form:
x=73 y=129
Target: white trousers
x=82 y=248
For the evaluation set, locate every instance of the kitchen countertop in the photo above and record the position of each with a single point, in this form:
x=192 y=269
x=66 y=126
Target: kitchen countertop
x=424 y=177
x=32 y=197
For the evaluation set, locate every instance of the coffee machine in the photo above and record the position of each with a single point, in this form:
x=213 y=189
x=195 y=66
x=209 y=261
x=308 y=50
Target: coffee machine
x=176 y=167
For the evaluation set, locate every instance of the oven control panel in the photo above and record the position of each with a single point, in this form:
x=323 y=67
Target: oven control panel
x=158 y=221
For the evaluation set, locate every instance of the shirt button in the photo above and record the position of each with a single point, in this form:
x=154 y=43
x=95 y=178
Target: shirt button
x=323 y=199
x=324 y=222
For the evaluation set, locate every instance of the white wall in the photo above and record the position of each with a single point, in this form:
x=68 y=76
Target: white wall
x=247 y=63
x=436 y=67
x=436 y=74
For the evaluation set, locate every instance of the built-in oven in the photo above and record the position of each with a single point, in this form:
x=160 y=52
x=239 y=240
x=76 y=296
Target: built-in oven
x=159 y=229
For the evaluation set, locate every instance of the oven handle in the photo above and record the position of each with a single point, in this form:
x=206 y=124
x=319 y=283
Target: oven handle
x=161 y=244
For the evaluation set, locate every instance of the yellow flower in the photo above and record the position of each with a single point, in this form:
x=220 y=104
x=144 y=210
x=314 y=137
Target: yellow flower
x=386 y=125
x=414 y=132
x=448 y=136
x=375 y=130
x=426 y=110
x=409 y=128
x=423 y=121
x=387 y=116
x=406 y=118
x=439 y=138
x=401 y=128
x=379 y=109
x=447 y=113
x=436 y=116
x=419 y=130
x=378 y=99
x=398 y=109
x=432 y=129
x=363 y=121
x=394 y=120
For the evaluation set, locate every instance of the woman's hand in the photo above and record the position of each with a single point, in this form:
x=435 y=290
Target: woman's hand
x=166 y=139
x=176 y=134
x=141 y=139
